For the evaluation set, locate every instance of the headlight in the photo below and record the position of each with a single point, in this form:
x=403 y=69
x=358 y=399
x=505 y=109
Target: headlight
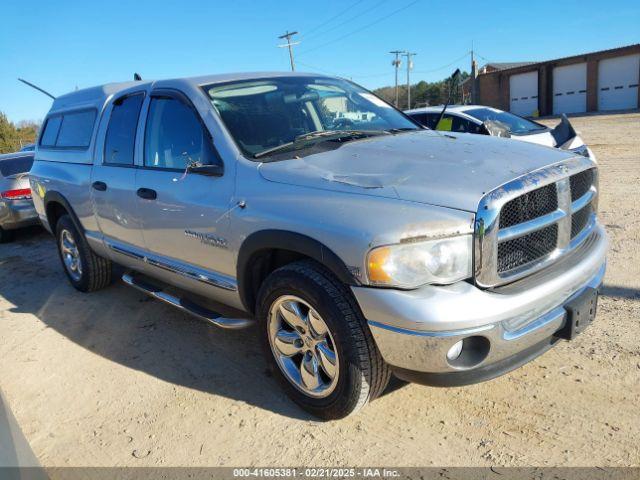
x=409 y=265
x=582 y=150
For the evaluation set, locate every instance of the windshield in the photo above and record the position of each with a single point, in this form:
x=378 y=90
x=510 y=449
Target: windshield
x=262 y=115
x=516 y=125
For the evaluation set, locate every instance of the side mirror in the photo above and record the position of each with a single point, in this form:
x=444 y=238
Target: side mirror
x=215 y=170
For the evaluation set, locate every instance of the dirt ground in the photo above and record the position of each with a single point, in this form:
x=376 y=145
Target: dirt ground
x=113 y=378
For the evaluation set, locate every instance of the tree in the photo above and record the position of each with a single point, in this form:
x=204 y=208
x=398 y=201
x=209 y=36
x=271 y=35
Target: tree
x=13 y=137
x=423 y=93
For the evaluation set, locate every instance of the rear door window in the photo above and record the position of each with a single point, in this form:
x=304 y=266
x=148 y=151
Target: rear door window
x=76 y=129
x=460 y=124
x=121 y=133
x=427 y=119
x=421 y=118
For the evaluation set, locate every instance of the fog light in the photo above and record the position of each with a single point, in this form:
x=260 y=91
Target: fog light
x=455 y=351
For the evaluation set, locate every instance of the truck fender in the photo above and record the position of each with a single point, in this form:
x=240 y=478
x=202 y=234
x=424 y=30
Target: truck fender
x=293 y=242
x=57 y=197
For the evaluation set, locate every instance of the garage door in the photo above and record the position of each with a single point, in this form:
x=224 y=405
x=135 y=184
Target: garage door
x=570 y=89
x=618 y=83
x=523 y=89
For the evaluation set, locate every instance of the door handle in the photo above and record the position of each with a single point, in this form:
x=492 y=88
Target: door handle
x=100 y=186
x=147 y=193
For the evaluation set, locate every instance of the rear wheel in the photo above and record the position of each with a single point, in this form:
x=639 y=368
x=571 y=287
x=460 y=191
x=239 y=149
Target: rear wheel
x=85 y=270
x=317 y=342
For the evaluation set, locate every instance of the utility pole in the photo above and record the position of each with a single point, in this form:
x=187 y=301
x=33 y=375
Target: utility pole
x=474 y=78
x=396 y=63
x=289 y=44
x=409 y=67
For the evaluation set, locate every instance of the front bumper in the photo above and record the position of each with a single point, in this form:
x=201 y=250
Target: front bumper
x=415 y=329
x=17 y=214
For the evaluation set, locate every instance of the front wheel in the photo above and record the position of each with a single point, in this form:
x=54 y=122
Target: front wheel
x=317 y=341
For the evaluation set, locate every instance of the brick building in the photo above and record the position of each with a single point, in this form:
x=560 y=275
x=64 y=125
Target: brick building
x=598 y=81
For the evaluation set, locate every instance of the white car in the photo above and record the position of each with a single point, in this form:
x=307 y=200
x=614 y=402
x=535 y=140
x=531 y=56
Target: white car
x=483 y=120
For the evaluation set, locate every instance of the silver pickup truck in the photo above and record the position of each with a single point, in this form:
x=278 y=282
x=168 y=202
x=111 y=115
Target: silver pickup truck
x=361 y=243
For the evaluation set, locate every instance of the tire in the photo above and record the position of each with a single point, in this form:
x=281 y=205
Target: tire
x=361 y=374
x=94 y=272
x=5 y=235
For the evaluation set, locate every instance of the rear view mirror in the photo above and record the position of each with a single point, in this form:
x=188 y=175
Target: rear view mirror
x=216 y=170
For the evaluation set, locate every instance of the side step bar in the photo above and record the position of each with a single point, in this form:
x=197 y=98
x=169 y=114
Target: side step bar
x=187 y=305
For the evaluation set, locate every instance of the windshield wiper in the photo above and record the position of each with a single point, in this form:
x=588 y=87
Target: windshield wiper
x=307 y=139
x=400 y=130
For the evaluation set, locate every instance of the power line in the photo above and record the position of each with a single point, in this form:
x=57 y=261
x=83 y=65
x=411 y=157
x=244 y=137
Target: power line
x=320 y=69
x=316 y=28
x=361 y=28
x=444 y=66
x=348 y=20
x=374 y=75
x=288 y=36
x=335 y=74
x=385 y=74
x=484 y=58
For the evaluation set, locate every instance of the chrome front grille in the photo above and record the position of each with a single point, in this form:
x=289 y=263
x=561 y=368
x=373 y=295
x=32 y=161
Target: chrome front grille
x=581 y=183
x=580 y=219
x=530 y=222
x=531 y=205
x=528 y=248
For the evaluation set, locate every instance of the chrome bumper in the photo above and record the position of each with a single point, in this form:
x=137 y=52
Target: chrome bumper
x=415 y=329
x=17 y=214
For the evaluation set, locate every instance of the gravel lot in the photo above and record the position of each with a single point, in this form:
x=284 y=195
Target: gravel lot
x=113 y=378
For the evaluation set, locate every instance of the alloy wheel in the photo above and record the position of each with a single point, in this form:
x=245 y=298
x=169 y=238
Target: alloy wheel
x=303 y=346
x=70 y=255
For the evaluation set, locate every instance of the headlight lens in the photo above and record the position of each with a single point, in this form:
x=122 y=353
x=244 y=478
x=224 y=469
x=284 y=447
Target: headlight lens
x=584 y=151
x=409 y=265
x=581 y=150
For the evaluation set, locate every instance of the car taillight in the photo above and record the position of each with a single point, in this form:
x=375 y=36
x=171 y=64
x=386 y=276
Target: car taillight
x=19 y=194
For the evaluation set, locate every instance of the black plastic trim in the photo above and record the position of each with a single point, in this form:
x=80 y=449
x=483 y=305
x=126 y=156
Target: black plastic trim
x=476 y=375
x=290 y=241
x=56 y=197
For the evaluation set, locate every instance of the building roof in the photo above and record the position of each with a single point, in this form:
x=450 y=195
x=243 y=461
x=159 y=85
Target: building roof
x=506 y=65
x=501 y=67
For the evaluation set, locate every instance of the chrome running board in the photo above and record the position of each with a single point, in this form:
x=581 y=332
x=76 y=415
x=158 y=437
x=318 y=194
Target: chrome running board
x=186 y=305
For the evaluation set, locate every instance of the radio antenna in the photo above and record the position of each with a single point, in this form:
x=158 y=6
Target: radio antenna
x=37 y=88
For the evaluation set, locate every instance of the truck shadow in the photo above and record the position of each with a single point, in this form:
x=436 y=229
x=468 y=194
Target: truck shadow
x=127 y=327
x=616 y=291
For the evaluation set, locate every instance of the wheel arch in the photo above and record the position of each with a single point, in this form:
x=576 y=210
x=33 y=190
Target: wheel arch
x=56 y=205
x=266 y=250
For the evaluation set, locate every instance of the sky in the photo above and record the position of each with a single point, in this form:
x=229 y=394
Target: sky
x=60 y=45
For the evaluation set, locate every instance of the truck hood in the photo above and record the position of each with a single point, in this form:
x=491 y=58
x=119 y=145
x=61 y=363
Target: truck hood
x=450 y=170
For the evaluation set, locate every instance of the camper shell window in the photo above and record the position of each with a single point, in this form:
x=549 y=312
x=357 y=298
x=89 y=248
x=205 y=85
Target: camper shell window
x=69 y=130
